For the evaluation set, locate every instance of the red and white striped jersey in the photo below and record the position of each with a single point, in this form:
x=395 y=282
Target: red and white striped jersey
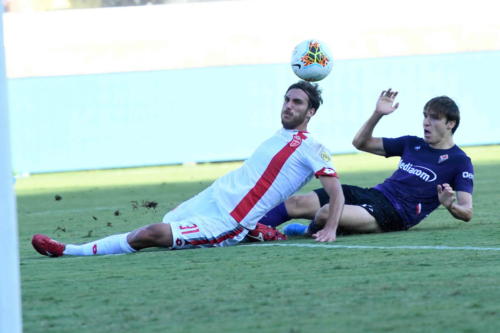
x=275 y=171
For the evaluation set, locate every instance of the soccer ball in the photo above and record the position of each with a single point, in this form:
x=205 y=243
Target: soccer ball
x=311 y=60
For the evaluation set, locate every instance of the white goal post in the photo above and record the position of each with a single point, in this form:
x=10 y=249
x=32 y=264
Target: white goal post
x=10 y=299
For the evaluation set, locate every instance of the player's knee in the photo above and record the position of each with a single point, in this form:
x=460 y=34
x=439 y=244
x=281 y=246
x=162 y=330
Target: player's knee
x=322 y=215
x=157 y=232
x=292 y=205
x=150 y=235
x=301 y=206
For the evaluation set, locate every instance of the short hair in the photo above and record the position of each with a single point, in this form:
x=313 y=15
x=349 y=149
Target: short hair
x=312 y=91
x=444 y=106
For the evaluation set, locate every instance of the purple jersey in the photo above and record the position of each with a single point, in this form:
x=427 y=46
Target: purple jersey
x=412 y=187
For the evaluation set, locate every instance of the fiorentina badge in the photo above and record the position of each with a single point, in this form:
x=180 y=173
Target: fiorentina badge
x=442 y=158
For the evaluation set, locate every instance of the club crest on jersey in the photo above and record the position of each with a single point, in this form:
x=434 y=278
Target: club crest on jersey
x=442 y=158
x=417 y=147
x=179 y=242
x=296 y=141
x=325 y=156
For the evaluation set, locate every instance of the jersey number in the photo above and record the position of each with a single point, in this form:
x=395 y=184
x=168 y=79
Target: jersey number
x=189 y=229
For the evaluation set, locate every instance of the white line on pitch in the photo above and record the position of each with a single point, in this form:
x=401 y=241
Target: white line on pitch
x=329 y=246
x=399 y=247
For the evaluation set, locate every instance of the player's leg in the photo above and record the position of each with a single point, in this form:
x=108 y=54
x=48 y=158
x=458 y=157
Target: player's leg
x=354 y=219
x=364 y=212
x=297 y=206
x=153 y=235
x=303 y=206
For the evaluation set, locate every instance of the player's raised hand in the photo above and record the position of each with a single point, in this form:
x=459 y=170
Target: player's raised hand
x=446 y=195
x=385 y=103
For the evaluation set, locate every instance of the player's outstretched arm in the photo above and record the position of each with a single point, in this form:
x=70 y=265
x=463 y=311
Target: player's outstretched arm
x=458 y=203
x=364 y=139
x=336 y=205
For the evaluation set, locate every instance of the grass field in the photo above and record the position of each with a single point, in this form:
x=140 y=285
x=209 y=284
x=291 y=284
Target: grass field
x=290 y=288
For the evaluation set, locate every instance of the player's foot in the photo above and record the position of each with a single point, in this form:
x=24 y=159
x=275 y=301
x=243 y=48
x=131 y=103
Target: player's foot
x=264 y=233
x=47 y=246
x=295 y=229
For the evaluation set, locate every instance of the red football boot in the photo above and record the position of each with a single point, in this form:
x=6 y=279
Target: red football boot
x=47 y=246
x=264 y=233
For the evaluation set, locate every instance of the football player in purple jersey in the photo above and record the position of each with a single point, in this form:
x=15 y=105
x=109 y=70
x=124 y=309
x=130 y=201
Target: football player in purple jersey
x=432 y=171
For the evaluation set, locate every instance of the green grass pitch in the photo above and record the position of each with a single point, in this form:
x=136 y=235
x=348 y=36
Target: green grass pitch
x=254 y=288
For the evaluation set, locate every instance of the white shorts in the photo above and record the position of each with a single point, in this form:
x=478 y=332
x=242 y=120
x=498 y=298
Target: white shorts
x=199 y=222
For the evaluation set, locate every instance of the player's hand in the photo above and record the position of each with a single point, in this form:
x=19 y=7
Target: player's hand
x=325 y=235
x=446 y=195
x=385 y=103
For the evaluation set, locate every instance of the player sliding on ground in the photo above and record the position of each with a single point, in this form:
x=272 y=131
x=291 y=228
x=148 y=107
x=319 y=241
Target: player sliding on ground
x=223 y=214
x=432 y=171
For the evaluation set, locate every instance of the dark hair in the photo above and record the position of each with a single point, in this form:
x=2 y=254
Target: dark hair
x=444 y=106
x=312 y=91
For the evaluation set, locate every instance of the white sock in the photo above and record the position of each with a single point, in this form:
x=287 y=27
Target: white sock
x=116 y=244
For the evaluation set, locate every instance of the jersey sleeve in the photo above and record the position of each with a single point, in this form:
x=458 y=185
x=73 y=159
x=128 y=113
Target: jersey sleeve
x=394 y=146
x=464 y=179
x=320 y=161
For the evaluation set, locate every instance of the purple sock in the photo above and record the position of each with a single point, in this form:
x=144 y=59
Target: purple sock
x=276 y=216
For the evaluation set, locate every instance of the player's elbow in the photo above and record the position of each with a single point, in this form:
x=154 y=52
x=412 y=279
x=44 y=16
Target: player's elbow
x=466 y=216
x=358 y=144
x=366 y=145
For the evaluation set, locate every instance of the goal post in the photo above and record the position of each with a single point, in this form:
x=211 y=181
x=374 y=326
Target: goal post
x=10 y=295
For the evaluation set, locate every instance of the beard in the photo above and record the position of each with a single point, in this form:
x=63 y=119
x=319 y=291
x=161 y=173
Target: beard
x=293 y=122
